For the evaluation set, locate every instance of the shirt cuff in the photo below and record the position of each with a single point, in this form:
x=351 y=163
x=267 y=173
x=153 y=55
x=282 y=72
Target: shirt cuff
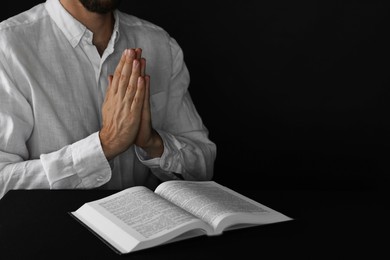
x=90 y=162
x=80 y=165
x=168 y=162
x=145 y=159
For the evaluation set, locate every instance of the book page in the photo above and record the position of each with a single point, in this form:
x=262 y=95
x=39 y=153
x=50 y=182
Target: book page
x=217 y=205
x=142 y=214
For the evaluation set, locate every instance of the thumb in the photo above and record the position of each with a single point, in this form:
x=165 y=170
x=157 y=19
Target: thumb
x=110 y=77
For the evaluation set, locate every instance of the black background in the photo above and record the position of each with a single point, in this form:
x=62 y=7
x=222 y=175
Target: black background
x=294 y=93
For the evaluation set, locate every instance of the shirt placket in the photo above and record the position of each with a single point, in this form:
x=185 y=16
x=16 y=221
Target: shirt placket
x=97 y=63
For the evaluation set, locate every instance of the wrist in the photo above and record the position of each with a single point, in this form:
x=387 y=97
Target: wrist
x=155 y=146
x=106 y=147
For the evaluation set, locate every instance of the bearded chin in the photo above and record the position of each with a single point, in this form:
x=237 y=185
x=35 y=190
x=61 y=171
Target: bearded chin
x=100 y=6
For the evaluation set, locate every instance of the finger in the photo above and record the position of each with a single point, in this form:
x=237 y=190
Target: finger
x=146 y=106
x=138 y=100
x=143 y=66
x=110 y=77
x=138 y=52
x=130 y=93
x=118 y=71
x=109 y=90
x=135 y=73
x=126 y=73
x=109 y=87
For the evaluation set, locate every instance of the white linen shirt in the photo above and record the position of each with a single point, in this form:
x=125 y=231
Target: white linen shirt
x=52 y=85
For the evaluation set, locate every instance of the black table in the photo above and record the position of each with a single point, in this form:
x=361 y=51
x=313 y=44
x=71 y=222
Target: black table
x=327 y=225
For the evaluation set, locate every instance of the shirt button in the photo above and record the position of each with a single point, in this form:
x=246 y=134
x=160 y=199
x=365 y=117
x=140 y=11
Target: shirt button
x=100 y=179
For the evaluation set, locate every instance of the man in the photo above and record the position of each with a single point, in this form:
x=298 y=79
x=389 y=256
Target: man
x=80 y=109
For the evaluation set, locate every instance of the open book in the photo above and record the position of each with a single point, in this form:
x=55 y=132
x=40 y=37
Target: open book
x=138 y=218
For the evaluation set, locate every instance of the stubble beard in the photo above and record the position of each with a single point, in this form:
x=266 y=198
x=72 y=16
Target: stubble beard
x=100 y=6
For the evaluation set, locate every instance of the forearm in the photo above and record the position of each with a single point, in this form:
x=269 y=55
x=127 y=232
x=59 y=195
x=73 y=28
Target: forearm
x=155 y=148
x=22 y=175
x=80 y=165
x=190 y=155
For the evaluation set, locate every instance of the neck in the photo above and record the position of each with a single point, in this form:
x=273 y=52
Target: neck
x=101 y=25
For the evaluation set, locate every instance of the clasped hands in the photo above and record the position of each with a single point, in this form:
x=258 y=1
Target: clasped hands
x=126 y=109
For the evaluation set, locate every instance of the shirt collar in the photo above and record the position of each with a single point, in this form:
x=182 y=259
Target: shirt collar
x=71 y=27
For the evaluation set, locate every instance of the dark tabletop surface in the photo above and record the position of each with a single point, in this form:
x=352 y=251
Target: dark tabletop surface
x=334 y=224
